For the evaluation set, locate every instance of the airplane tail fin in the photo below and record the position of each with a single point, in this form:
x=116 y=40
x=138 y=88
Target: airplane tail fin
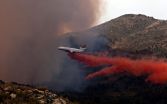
x=83 y=47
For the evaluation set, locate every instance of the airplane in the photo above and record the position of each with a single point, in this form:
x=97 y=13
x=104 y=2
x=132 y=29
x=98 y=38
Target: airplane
x=72 y=50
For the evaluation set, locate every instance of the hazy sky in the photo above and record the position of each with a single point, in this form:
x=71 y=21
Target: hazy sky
x=114 y=8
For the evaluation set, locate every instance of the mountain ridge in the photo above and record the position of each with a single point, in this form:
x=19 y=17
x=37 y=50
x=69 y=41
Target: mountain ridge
x=132 y=33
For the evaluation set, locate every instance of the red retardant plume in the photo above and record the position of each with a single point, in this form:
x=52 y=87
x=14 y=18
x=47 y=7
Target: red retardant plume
x=155 y=69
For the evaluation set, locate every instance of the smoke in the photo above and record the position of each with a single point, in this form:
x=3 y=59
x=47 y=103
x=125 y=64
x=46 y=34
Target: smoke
x=30 y=32
x=156 y=70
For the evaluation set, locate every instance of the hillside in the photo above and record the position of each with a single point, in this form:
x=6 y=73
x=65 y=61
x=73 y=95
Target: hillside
x=130 y=35
x=135 y=34
x=139 y=33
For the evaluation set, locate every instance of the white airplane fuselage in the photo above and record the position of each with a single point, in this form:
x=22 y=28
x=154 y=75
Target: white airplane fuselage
x=72 y=50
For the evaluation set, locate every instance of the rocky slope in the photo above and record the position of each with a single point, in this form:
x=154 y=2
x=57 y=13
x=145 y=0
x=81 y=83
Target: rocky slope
x=13 y=93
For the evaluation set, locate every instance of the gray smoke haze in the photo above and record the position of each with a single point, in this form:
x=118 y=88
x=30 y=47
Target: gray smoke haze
x=30 y=32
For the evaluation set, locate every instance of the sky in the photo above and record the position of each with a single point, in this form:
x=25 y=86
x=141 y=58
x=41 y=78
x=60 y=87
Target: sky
x=115 y=8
